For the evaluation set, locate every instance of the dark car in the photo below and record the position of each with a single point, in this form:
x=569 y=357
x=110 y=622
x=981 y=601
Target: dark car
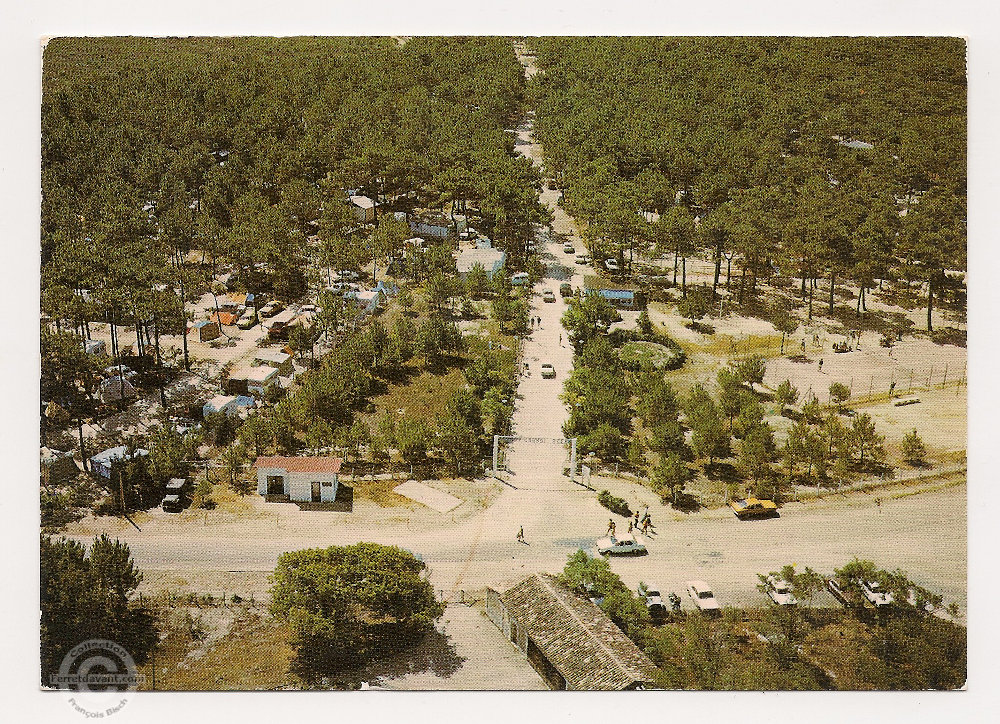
x=565 y=290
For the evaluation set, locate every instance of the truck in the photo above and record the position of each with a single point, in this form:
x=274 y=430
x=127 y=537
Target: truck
x=753 y=508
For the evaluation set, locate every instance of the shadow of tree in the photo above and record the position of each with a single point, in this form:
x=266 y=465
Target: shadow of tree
x=433 y=653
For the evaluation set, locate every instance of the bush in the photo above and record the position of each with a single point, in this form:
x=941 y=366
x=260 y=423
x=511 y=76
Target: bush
x=202 y=497
x=914 y=451
x=614 y=504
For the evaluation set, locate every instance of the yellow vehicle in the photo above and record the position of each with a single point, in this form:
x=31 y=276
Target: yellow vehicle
x=753 y=508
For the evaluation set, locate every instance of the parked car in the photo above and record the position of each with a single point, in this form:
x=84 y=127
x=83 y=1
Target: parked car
x=875 y=594
x=172 y=504
x=308 y=308
x=780 y=591
x=753 y=508
x=248 y=320
x=271 y=308
x=612 y=266
x=565 y=290
x=548 y=296
x=520 y=279
x=568 y=248
x=702 y=596
x=583 y=258
x=654 y=603
x=623 y=545
x=347 y=275
x=548 y=371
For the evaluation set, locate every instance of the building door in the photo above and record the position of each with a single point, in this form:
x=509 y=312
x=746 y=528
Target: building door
x=315 y=492
x=275 y=485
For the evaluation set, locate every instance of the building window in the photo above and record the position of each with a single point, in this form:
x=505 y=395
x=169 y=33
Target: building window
x=327 y=484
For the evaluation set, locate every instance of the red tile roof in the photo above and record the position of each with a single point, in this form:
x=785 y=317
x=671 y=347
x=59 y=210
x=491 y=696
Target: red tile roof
x=300 y=464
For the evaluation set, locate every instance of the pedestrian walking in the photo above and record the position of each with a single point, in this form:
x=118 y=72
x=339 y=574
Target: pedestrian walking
x=820 y=364
x=892 y=388
x=560 y=340
x=520 y=535
x=636 y=517
x=611 y=527
x=630 y=526
x=803 y=346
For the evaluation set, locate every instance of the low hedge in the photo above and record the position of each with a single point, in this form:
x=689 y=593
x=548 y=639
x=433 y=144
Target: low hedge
x=614 y=504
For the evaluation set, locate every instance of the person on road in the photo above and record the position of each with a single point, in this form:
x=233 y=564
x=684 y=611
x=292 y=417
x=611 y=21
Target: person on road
x=611 y=527
x=520 y=535
x=630 y=526
x=820 y=364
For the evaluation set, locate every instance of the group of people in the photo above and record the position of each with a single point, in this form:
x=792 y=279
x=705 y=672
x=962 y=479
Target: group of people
x=634 y=523
x=536 y=320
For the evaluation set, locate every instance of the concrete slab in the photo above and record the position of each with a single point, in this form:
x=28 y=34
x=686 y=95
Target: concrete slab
x=435 y=499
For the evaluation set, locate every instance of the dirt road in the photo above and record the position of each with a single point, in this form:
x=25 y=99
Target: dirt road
x=924 y=535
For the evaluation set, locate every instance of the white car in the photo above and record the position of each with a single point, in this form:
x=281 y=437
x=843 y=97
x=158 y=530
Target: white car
x=875 y=594
x=624 y=545
x=582 y=258
x=308 y=308
x=702 y=596
x=611 y=265
x=654 y=603
x=568 y=248
x=520 y=279
x=548 y=296
x=347 y=275
x=548 y=371
x=780 y=591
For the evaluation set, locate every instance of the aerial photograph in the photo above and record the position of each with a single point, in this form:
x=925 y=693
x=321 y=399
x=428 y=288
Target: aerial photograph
x=503 y=363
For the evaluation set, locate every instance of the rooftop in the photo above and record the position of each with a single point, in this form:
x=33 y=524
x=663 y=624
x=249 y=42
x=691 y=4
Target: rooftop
x=362 y=202
x=576 y=636
x=300 y=464
x=254 y=374
x=490 y=259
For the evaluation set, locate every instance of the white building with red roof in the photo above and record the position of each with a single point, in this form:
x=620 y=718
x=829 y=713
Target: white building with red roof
x=298 y=479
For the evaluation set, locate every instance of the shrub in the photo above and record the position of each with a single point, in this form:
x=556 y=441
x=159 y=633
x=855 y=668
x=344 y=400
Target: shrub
x=614 y=503
x=914 y=451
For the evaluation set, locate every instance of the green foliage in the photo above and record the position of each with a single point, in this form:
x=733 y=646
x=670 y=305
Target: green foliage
x=202 y=497
x=593 y=577
x=170 y=453
x=786 y=394
x=750 y=370
x=477 y=282
x=587 y=317
x=87 y=596
x=460 y=431
x=913 y=449
x=670 y=476
x=351 y=603
x=839 y=393
x=614 y=504
x=709 y=436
